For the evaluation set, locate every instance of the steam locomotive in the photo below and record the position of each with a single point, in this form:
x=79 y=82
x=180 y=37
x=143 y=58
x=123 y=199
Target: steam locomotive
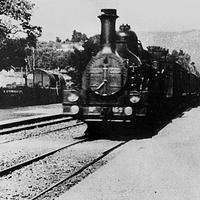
x=124 y=82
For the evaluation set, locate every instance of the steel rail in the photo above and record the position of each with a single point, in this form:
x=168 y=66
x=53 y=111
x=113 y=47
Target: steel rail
x=105 y=153
x=30 y=161
x=28 y=120
x=58 y=129
x=31 y=126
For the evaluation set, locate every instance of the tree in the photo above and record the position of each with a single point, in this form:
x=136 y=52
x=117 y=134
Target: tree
x=67 y=40
x=15 y=17
x=58 y=40
x=49 y=56
x=13 y=53
x=78 y=37
x=79 y=59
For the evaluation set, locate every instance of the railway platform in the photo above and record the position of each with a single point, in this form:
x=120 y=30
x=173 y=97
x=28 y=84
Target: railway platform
x=166 y=166
x=18 y=114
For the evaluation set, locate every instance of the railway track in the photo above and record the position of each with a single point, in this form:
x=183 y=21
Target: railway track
x=30 y=161
x=30 y=124
x=68 y=172
x=42 y=124
x=79 y=171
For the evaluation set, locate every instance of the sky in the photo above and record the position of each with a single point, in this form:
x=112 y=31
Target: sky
x=60 y=17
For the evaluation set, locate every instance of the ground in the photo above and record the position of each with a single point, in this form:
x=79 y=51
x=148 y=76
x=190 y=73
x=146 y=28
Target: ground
x=164 y=167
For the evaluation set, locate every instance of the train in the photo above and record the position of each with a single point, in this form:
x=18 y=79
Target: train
x=124 y=82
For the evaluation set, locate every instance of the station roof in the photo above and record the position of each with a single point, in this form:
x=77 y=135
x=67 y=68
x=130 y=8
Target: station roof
x=54 y=75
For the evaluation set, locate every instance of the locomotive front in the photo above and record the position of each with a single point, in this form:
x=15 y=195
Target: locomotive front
x=109 y=89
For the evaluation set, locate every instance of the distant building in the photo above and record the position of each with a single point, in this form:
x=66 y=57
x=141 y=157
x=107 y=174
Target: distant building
x=47 y=79
x=11 y=78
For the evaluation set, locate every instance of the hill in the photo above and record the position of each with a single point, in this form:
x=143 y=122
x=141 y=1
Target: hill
x=188 y=41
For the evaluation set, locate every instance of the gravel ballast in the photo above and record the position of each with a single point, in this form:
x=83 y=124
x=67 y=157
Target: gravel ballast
x=35 y=132
x=31 y=180
x=35 y=142
x=164 y=167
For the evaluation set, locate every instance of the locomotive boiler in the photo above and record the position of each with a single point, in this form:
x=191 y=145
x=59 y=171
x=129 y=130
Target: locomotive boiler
x=124 y=82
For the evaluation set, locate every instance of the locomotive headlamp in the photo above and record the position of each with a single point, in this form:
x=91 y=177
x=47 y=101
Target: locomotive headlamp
x=74 y=109
x=72 y=97
x=128 y=111
x=134 y=99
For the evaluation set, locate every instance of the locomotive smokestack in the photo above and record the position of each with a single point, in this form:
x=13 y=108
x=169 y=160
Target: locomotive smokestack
x=108 y=20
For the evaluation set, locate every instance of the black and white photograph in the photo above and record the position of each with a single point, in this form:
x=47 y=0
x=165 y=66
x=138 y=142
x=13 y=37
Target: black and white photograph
x=99 y=100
